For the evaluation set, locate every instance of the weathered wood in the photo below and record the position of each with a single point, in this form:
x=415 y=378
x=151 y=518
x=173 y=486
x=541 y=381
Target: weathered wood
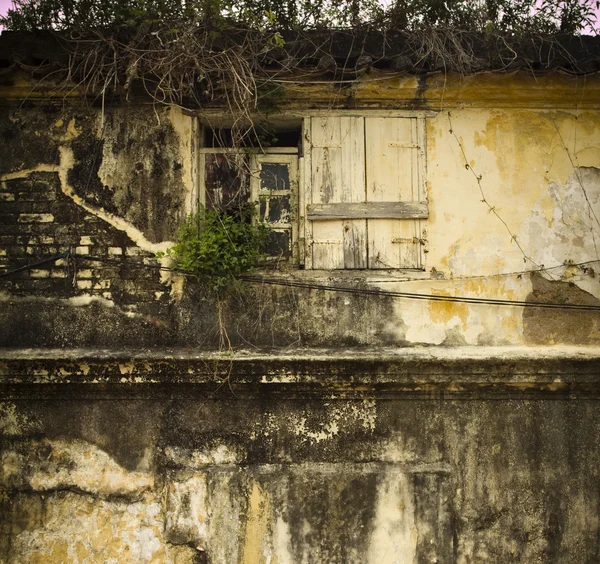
x=338 y=177
x=368 y=210
x=306 y=191
x=367 y=188
x=393 y=243
x=355 y=244
x=393 y=174
x=390 y=163
x=354 y=232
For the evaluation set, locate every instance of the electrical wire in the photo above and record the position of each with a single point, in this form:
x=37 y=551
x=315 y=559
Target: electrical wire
x=329 y=288
x=31 y=266
x=415 y=296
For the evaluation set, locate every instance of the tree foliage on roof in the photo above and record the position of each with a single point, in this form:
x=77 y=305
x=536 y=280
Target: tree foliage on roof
x=236 y=54
x=503 y=16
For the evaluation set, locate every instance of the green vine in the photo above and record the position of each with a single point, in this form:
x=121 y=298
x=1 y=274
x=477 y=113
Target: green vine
x=219 y=246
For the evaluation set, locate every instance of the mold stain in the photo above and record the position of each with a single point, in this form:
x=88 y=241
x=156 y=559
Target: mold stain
x=444 y=312
x=394 y=538
x=545 y=326
x=67 y=161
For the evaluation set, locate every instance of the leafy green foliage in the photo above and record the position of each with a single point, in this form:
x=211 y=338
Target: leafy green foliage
x=514 y=16
x=218 y=247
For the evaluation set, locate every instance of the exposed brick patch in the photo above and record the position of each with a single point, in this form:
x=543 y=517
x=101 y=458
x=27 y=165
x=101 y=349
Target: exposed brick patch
x=38 y=221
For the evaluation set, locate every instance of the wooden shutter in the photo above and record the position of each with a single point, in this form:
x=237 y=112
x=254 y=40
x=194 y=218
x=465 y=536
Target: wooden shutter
x=394 y=163
x=337 y=176
x=365 y=199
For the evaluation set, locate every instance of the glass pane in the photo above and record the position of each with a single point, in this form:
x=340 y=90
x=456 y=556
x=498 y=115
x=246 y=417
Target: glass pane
x=278 y=244
x=226 y=181
x=275 y=209
x=274 y=176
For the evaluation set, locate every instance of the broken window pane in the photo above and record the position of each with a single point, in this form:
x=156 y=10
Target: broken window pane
x=275 y=209
x=226 y=181
x=274 y=176
x=278 y=244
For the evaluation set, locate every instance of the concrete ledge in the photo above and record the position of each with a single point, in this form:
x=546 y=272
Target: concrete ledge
x=453 y=372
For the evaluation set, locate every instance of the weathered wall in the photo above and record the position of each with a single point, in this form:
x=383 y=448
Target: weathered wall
x=112 y=186
x=436 y=454
x=539 y=171
x=380 y=457
x=115 y=184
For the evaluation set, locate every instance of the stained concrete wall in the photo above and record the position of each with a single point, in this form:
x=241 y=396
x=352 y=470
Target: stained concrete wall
x=413 y=457
x=352 y=453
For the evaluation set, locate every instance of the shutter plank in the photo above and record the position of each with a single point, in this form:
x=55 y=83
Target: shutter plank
x=355 y=244
x=327 y=239
x=338 y=178
x=353 y=190
x=390 y=148
x=327 y=245
x=368 y=210
x=400 y=247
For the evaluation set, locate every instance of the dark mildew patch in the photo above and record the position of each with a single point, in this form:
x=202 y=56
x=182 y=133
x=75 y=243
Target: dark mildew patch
x=549 y=326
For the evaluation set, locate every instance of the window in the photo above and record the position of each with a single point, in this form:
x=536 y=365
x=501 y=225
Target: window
x=274 y=185
x=355 y=199
x=365 y=192
x=267 y=176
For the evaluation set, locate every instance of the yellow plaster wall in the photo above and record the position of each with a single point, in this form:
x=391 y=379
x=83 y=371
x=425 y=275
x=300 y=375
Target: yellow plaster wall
x=528 y=146
x=539 y=170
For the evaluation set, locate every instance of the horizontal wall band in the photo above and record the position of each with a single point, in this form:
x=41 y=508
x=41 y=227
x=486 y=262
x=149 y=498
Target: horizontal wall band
x=391 y=374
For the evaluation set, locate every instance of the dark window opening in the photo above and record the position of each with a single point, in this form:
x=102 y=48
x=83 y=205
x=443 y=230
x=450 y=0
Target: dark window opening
x=260 y=136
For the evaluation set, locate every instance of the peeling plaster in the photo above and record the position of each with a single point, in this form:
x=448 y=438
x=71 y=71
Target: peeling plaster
x=66 y=162
x=222 y=454
x=12 y=422
x=362 y=415
x=75 y=301
x=395 y=536
x=49 y=465
x=27 y=172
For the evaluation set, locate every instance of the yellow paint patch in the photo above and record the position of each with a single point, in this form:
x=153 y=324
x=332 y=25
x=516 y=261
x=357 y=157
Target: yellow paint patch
x=72 y=131
x=595 y=330
x=512 y=324
x=444 y=312
x=67 y=161
x=126 y=368
x=57 y=554
x=257 y=522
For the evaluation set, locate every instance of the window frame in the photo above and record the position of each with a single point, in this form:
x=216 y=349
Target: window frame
x=285 y=155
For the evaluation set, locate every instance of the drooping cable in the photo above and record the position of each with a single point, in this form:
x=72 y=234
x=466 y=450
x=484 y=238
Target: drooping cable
x=332 y=288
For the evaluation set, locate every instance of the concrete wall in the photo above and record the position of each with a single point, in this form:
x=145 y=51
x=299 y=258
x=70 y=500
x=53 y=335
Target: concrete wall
x=350 y=453
x=413 y=457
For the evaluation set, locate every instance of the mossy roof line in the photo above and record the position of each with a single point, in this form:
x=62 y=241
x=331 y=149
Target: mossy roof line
x=342 y=54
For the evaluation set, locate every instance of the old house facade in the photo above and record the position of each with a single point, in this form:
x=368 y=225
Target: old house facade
x=411 y=377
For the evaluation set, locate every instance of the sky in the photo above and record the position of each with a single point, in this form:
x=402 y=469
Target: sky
x=6 y=4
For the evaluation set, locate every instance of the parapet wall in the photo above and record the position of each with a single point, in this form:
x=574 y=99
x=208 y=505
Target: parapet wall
x=405 y=455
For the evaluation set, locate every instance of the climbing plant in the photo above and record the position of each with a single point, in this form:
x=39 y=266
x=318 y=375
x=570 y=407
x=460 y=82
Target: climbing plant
x=545 y=16
x=207 y=53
